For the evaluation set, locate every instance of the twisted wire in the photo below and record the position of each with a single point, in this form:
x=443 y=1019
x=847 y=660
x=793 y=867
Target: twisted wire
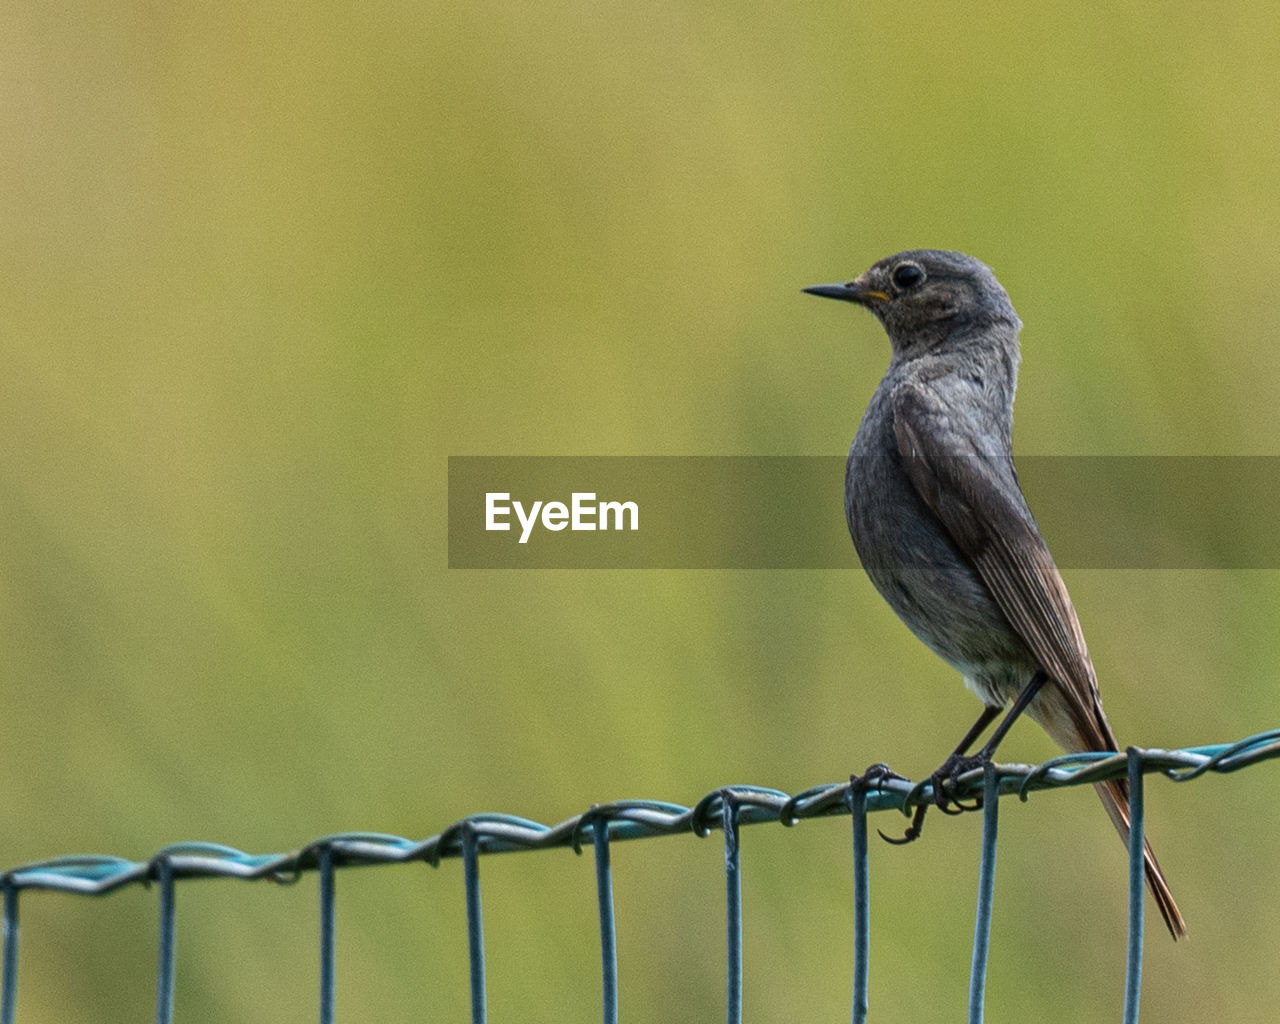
x=94 y=875
x=725 y=809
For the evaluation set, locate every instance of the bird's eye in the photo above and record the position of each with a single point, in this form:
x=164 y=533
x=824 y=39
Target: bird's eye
x=907 y=275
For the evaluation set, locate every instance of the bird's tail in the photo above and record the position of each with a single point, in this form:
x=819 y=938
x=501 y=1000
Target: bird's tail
x=1115 y=798
x=1076 y=727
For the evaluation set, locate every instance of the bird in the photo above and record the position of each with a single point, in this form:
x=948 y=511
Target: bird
x=943 y=530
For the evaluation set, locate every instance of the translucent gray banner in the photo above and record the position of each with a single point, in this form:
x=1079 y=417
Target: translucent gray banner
x=787 y=512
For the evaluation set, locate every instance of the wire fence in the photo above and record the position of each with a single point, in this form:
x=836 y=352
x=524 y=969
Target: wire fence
x=725 y=809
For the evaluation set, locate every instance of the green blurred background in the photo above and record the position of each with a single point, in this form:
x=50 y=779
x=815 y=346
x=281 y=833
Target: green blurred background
x=266 y=266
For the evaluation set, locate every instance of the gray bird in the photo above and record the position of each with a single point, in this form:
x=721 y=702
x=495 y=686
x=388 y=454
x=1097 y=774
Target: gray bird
x=940 y=523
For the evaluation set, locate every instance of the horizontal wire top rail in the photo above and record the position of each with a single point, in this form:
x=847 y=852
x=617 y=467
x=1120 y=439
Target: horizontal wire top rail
x=725 y=809
x=95 y=875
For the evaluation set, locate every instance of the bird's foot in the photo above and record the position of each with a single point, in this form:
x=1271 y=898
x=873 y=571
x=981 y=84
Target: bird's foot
x=876 y=774
x=944 y=781
x=947 y=778
x=871 y=779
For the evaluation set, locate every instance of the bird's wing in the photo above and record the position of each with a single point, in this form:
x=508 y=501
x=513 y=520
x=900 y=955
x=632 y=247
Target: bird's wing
x=977 y=498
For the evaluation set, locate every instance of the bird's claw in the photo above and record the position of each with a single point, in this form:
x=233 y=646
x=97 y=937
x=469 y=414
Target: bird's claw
x=871 y=779
x=913 y=830
x=944 y=782
x=876 y=774
x=947 y=777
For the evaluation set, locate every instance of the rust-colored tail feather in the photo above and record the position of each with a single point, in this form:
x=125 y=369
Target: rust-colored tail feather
x=1080 y=725
x=1115 y=798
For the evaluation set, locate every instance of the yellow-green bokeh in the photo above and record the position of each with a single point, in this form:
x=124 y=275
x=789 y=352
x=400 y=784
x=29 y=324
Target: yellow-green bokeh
x=265 y=267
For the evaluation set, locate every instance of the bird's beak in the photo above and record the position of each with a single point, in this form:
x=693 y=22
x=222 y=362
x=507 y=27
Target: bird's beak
x=854 y=291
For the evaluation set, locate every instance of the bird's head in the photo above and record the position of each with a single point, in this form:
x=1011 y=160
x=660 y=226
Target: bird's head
x=923 y=296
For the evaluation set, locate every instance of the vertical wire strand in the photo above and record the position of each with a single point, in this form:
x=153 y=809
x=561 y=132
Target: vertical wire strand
x=1133 y=965
x=608 y=932
x=986 y=893
x=861 y=901
x=328 y=950
x=733 y=909
x=9 y=982
x=167 y=953
x=475 y=924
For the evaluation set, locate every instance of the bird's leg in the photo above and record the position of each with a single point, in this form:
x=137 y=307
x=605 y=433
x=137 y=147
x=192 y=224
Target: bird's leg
x=976 y=730
x=958 y=763
x=1020 y=705
x=958 y=755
